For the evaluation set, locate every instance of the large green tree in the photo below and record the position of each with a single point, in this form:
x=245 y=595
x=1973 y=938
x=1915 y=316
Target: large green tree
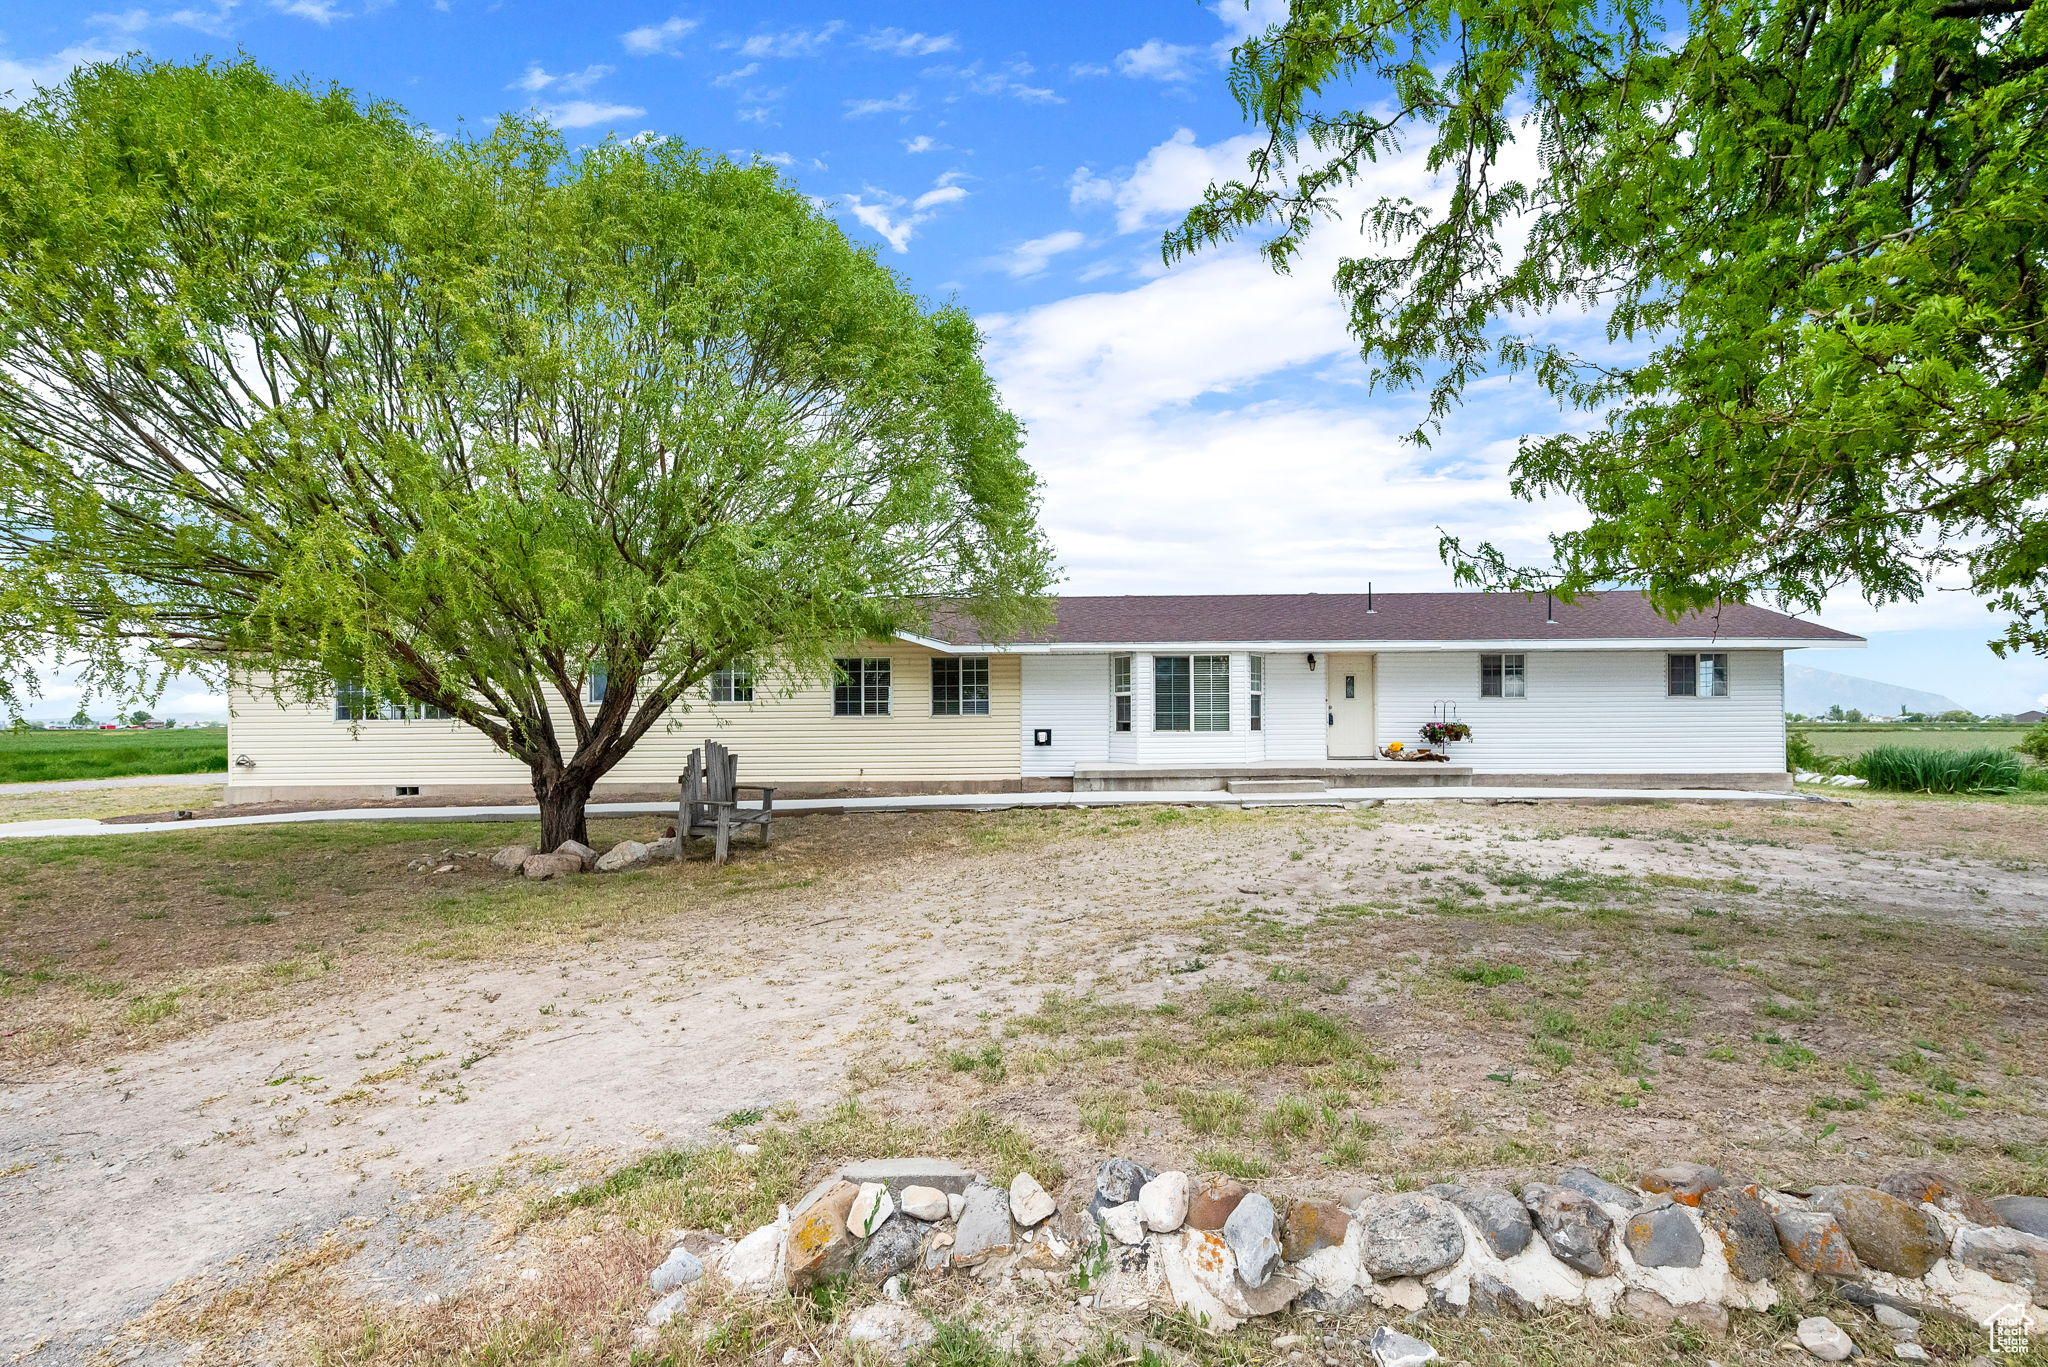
x=1813 y=229
x=292 y=389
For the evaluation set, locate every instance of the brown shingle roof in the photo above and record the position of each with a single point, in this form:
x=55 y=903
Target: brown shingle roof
x=1138 y=619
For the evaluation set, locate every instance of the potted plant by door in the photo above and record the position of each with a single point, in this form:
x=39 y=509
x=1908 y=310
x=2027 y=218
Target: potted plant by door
x=1440 y=734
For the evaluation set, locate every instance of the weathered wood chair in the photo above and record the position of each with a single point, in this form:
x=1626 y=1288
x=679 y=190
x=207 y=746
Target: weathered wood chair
x=709 y=804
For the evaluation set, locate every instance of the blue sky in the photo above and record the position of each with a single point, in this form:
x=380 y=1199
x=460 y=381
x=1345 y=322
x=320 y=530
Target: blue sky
x=1201 y=429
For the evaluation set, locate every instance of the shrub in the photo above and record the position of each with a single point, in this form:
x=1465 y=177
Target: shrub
x=1909 y=769
x=2034 y=744
x=1802 y=754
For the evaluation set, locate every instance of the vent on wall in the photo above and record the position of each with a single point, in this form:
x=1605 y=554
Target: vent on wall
x=406 y=790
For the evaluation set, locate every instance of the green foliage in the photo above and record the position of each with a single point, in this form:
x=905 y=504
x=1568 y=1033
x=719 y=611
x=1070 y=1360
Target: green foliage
x=1813 y=231
x=1802 y=754
x=1910 y=769
x=291 y=388
x=2034 y=744
x=44 y=756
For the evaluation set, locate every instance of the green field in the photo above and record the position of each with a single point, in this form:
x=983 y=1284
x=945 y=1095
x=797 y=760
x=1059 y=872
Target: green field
x=42 y=756
x=1849 y=741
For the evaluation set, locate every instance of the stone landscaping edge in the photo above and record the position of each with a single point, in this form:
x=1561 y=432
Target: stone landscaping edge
x=1682 y=1244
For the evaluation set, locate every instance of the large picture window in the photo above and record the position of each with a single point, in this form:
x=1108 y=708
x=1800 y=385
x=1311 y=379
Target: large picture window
x=960 y=686
x=1503 y=676
x=1704 y=675
x=1120 y=690
x=860 y=688
x=1191 y=692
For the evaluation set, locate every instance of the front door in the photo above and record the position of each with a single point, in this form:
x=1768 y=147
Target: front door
x=1347 y=690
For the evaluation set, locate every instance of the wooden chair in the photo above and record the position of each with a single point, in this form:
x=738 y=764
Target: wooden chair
x=710 y=801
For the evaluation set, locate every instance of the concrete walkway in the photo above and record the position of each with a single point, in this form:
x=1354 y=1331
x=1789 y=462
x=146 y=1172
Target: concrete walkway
x=79 y=785
x=950 y=802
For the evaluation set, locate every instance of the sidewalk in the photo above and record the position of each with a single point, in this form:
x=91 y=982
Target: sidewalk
x=950 y=802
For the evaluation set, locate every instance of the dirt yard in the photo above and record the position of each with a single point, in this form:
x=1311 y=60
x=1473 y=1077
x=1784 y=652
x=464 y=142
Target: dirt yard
x=278 y=1094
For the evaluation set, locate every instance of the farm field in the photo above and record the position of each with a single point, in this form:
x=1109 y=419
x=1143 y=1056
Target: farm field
x=1847 y=742
x=54 y=756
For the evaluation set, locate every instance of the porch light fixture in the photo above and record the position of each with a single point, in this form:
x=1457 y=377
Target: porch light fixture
x=1311 y=662
x=244 y=762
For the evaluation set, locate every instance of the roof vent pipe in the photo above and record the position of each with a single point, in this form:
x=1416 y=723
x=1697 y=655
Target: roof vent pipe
x=1549 y=608
x=1368 y=597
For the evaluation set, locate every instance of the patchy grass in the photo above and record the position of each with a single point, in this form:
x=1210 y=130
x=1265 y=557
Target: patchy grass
x=98 y=803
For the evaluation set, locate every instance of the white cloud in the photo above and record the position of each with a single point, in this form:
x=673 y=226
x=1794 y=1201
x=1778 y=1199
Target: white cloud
x=321 y=12
x=1029 y=258
x=896 y=104
x=20 y=79
x=896 y=219
x=1087 y=70
x=898 y=43
x=1243 y=18
x=662 y=39
x=585 y=113
x=537 y=78
x=1010 y=79
x=923 y=142
x=737 y=74
x=1161 y=61
x=1166 y=183
x=791 y=42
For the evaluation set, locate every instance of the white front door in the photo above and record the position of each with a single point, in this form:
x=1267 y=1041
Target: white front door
x=1347 y=689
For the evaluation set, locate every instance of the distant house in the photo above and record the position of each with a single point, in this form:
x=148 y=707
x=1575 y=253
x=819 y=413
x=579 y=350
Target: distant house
x=2033 y=718
x=1169 y=692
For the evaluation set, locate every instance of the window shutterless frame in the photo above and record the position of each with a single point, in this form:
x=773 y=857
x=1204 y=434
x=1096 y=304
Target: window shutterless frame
x=1702 y=675
x=732 y=685
x=960 y=686
x=355 y=702
x=1503 y=676
x=1257 y=689
x=860 y=688
x=1120 y=690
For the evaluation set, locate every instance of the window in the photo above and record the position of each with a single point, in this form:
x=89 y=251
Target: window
x=860 y=688
x=354 y=701
x=1503 y=676
x=1258 y=692
x=1120 y=689
x=1191 y=692
x=732 y=685
x=1697 y=676
x=960 y=686
x=598 y=680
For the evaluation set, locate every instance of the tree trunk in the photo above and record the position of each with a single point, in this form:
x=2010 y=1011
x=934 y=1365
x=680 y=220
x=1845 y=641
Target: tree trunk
x=562 y=801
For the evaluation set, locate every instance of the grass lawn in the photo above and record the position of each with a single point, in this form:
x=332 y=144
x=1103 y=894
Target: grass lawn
x=1848 y=741
x=45 y=756
x=1311 y=998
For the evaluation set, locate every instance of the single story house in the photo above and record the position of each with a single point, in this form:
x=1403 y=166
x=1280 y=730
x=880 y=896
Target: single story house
x=1164 y=692
x=2033 y=717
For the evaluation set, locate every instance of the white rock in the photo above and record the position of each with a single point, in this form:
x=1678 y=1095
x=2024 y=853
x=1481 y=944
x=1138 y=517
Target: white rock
x=895 y=1329
x=668 y=1307
x=1825 y=1339
x=679 y=1269
x=925 y=1203
x=1124 y=1223
x=956 y=1204
x=1163 y=1202
x=1910 y=1352
x=893 y=1289
x=754 y=1265
x=1902 y=1325
x=871 y=1206
x=746 y=1150
x=627 y=854
x=1392 y=1348
x=1029 y=1203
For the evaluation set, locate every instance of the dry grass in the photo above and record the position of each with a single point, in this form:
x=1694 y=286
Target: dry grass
x=99 y=803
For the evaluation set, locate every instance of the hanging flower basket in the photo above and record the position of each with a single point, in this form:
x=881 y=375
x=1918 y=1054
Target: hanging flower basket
x=1444 y=732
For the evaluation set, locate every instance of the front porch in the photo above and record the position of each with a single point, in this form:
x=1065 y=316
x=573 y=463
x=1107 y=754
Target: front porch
x=1268 y=777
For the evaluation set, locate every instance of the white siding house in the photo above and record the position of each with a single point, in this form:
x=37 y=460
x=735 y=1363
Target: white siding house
x=1176 y=692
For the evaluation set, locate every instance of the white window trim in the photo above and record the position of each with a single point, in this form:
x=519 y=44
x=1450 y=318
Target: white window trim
x=987 y=686
x=1521 y=674
x=1721 y=676
x=888 y=696
x=1194 y=712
